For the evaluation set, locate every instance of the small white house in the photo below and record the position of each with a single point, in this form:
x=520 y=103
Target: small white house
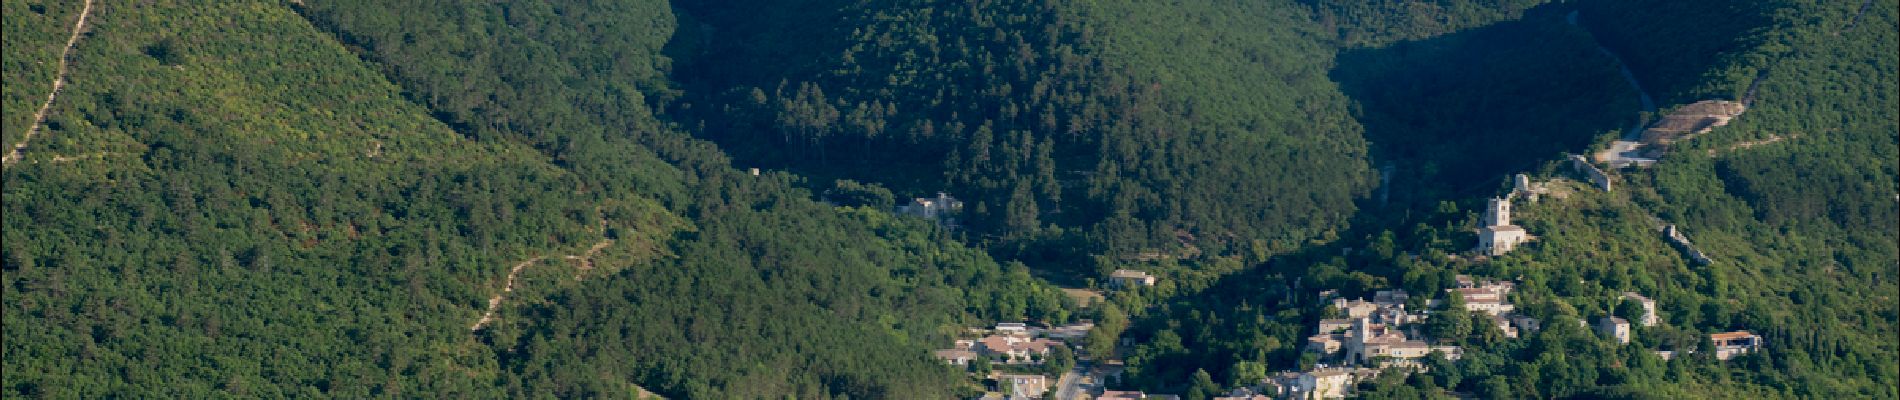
x=1615 y=328
x=1131 y=278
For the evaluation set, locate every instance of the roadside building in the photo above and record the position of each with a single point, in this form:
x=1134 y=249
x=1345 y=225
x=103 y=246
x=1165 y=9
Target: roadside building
x=1025 y=386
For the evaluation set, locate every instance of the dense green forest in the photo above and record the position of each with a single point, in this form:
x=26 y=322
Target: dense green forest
x=319 y=198
x=203 y=221
x=1376 y=23
x=1071 y=129
x=33 y=33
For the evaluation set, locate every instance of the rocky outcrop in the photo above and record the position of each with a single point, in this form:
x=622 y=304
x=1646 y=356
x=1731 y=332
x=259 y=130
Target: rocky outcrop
x=1690 y=120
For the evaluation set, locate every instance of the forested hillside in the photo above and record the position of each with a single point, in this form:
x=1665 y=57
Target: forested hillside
x=238 y=206
x=480 y=199
x=209 y=221
x=1072 y=129
x=34 y=34
x=1376 y=23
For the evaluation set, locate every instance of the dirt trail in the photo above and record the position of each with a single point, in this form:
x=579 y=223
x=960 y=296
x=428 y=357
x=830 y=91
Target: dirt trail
x=98 y=154
x=587 y=264
x=587 y=259
x=494 y=303
x=59 y=81
x=1772 y=139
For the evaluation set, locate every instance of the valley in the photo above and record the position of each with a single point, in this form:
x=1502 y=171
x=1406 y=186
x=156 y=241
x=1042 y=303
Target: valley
x=919 y=199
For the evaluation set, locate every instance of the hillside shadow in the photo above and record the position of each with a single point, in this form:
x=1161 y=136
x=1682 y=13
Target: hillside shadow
x=1671 y=45
x=1462 y=112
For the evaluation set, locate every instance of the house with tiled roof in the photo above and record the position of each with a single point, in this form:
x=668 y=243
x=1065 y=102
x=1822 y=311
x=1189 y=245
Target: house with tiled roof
x=1731 y=344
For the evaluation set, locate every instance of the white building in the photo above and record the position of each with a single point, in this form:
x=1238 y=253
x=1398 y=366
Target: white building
x=1615 y=328
x=956 y=356
x=1731 y=344
x=932 y=207
x=1649 y=308
x=1025 y=386
x=1355 y=309
x=1491 y=297
x=1324 y=383
x=1499 y=236
x=1130 y=278
x=1498 y=240
x=1497 y=212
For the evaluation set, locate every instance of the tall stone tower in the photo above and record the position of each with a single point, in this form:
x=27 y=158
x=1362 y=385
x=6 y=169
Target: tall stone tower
x=1497 y=212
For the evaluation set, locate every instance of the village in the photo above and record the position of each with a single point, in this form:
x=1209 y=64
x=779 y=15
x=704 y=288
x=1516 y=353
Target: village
x=1369 y=337
x=1366 y=337
x=1373 y=337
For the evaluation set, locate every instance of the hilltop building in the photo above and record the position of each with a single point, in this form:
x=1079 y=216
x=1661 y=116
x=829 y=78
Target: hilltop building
x=1498 y=235
x=1497 y=212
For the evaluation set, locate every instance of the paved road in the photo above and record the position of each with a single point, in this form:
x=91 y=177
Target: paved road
x=1071 y=384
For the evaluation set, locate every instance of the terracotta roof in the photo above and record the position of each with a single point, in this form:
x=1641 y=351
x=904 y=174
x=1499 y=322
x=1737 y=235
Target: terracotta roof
x=1731 y=335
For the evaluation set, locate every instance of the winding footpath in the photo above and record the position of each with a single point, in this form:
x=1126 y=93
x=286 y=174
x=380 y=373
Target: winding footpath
x=586 y=260
x=494 y=303
x=59 y=81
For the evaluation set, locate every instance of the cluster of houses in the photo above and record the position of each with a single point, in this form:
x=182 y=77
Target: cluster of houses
x=1727 y=344
x=1372 y=333
x=1013 y=343
x=1492 y=298
x=1378 y=334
